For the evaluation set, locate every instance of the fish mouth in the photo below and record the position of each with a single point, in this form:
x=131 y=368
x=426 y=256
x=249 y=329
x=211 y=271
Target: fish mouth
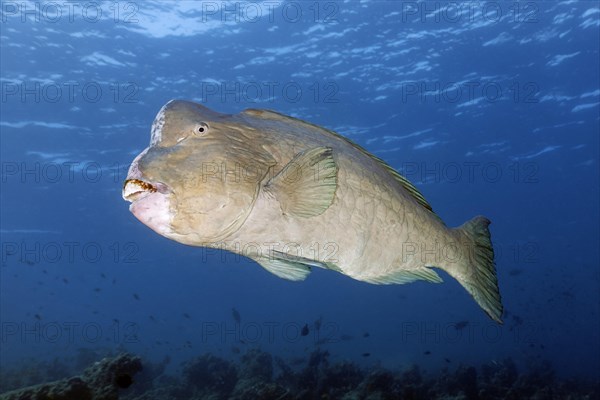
x=136 y=189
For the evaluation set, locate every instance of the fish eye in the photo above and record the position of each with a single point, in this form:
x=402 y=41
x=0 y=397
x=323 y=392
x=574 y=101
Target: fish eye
x=201 y=129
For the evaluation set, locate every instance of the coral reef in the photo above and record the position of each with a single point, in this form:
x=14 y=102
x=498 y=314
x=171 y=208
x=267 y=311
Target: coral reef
x=32 y=372
x=101 y=381
x=258 y=375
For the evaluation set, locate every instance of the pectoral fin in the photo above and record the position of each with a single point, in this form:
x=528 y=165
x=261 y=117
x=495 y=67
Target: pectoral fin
x=305 y=187
x=285 y=269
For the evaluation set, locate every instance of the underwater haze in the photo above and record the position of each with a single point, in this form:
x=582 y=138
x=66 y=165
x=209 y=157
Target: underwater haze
x=488 y=108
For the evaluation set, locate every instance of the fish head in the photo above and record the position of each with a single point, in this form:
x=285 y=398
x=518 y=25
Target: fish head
x=198 y=180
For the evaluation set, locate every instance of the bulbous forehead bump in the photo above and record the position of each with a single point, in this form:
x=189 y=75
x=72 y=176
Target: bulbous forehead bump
x=178 y=118
x=157 y=126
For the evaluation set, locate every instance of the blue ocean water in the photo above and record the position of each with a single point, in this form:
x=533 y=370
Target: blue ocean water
x=489 y=108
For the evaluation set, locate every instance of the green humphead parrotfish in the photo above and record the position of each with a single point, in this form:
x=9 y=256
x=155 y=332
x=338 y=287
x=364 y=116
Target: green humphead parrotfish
x=293 y=196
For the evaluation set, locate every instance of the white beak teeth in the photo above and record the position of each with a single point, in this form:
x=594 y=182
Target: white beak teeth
x=134 y=189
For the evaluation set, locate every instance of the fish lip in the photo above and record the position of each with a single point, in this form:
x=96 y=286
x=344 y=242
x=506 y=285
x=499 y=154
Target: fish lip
x=137 y=189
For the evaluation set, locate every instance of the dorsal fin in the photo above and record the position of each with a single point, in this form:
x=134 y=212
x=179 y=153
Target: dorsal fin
x=406 y=184
x=410 y=188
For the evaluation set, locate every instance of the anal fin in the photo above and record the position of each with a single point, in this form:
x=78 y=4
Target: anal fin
x=404 y=276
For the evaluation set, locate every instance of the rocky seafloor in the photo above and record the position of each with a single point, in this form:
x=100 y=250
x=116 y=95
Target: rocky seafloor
x=260 y=375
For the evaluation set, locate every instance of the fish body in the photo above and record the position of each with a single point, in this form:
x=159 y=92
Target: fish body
x=292 y=196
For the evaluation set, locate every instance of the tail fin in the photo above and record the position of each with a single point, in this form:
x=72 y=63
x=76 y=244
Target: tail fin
x=477 y=272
